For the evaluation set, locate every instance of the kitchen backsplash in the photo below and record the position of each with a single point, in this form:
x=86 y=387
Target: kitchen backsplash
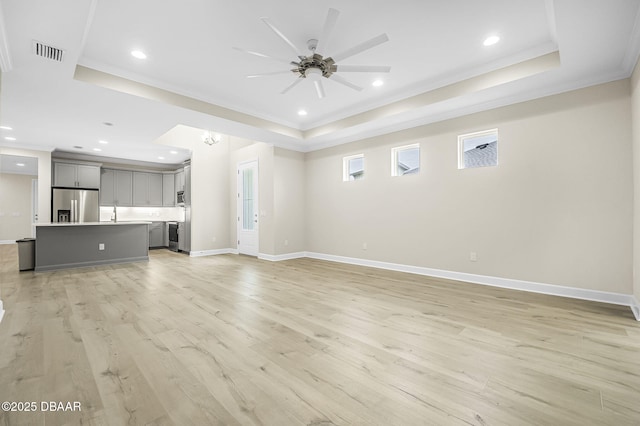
x=152 y=214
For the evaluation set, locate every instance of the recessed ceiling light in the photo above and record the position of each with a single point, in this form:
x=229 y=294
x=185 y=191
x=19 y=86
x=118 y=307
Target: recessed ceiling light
x=377 y=83
x=77 y=147
x=5 y=128
x=491 y=40
x=106 y=123
x=160 y=158
x=138 y=54
x=173 y=152
x=10 y=138
x=20 y=164
x=97 y=149
x=103 y=142
x=302 y=112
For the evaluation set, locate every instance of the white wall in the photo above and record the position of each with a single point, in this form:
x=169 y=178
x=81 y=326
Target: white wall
x=557 y=209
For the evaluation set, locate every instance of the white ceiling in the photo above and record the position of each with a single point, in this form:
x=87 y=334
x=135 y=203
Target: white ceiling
x=16 y=164
x=439 y=67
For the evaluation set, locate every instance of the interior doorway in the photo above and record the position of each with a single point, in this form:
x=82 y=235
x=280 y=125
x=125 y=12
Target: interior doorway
x=19 y=200
x=247 y=208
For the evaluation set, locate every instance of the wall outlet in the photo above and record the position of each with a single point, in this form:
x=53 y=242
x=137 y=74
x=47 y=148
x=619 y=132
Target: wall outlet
x=101 y=246
x=214 y=239
x=364 y=246
x=286 y=242
x=473 y=256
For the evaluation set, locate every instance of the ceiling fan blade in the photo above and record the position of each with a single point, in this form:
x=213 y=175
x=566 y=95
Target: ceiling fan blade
x=264 y=74
x=262 y=55
x=282 y=36
x=363 y=68
x=319 y=88
x=366 y=45
x=327 y=29
x=292 y=85
x=346 y=82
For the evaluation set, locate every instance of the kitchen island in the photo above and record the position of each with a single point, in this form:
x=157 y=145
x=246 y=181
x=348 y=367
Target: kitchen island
x=75 y=245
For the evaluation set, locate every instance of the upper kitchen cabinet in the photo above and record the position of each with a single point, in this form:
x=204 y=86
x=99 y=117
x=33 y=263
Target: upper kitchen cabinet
x=76 y=175
x=147 y=189
x=179 y=180
x=168 y=190
x=116 y=188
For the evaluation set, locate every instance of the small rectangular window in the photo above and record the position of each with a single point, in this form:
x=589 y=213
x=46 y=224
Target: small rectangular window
x=405 y=160
x=353 y=167
x=479 y=149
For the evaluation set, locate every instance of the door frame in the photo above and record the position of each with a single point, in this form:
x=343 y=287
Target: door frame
x=239 y=210
x=34 y=206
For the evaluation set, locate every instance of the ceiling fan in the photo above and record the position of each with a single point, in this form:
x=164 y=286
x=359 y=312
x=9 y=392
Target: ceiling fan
x=315 y=65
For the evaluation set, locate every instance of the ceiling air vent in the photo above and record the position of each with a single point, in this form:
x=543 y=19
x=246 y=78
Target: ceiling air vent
x=46 y=51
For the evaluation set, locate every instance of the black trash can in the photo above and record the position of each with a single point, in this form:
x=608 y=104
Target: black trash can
x=26 y=254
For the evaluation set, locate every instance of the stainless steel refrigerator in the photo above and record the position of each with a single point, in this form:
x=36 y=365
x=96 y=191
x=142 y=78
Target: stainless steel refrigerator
x=75 y=205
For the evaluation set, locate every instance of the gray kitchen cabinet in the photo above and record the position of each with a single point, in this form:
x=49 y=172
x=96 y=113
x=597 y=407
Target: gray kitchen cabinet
x=156 y=234
x=64 y=174
x=155 y=189
x=76 y=175
x=179 y=180
x=168 y=190
x=147 y=189
x=124 y=190
x=107 y=187
x=115 y=188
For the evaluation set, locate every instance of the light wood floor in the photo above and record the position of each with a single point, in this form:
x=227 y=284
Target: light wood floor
x=234 y=340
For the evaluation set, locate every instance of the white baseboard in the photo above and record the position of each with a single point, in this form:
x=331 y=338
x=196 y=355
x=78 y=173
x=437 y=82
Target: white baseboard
x=1 y=311
x=635 y=307
x=533 y=287
x=279 y=257
x=8 y=242
x=212 y=252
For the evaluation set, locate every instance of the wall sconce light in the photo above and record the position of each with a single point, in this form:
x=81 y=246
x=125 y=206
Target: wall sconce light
x=211 y=138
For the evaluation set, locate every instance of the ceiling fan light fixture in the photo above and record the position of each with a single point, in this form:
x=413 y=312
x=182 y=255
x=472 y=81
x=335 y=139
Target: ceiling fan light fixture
x=377 y=83
x=313 y=74
x=318 y=64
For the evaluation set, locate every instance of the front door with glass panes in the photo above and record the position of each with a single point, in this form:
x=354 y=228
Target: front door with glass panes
x=247 y=216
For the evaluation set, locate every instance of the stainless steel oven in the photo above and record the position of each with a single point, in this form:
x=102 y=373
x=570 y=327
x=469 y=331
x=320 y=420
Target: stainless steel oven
x=180 y=198
x=173 y=236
